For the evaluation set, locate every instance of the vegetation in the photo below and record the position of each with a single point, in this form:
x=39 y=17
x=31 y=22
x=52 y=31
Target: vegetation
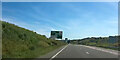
x=100 y=42
x=0 y=40
x=103 y=42
x=19 y=42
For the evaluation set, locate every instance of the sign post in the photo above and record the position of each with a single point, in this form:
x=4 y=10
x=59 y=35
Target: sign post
x=56 y=34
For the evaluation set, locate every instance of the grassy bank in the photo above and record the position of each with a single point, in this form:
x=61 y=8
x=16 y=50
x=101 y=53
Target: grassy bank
x=19 y=42
x=100 y=42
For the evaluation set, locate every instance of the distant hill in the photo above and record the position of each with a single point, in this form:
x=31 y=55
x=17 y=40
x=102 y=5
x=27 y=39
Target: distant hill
x=19 y=42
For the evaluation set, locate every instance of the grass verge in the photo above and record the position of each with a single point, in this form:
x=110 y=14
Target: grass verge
x=19 y=42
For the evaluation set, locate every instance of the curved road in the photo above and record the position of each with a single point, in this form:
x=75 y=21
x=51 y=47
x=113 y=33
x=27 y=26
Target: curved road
x=81 y=51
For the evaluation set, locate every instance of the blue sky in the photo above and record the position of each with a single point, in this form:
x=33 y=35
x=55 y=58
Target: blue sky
x=75 y=19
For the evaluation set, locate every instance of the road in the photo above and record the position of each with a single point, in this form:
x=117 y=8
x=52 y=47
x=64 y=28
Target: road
x=81 y=51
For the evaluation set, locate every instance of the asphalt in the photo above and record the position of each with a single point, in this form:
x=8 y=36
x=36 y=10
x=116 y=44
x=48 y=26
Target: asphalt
x=80 y=52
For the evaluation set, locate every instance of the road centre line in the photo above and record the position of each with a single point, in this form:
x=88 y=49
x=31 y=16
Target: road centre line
x=99 y=49
x=87 y=53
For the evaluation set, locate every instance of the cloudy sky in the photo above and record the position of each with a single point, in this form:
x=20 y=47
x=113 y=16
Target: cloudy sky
x=75 y=19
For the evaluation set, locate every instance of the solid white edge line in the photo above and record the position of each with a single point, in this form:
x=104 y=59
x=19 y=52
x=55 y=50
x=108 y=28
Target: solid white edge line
x=58 y=53
x=96 y=48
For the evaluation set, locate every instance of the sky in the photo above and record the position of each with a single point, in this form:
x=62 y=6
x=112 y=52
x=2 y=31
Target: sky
x=60 y=0
x=77 y=20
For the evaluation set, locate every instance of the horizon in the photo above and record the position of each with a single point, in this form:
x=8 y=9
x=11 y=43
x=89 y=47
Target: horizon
x=77 y=20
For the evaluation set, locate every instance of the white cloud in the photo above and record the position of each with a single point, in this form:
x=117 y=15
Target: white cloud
x=45 y=18
x=17 y=22
x=52 y=29
x=81 y=28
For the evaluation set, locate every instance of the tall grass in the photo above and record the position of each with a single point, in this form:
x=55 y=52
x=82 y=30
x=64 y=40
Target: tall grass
x=19 y=42
x=101 y=42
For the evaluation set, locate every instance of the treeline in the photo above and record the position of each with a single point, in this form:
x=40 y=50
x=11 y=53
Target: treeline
x=19 y=42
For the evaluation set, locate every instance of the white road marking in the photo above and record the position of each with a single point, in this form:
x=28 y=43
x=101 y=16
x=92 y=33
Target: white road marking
x=96 y=48
x=87 y=53
x=58 y=53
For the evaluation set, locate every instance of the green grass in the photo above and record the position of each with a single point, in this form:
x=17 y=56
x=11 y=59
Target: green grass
x=0 y=47
x=19 y=42
x=100 y=43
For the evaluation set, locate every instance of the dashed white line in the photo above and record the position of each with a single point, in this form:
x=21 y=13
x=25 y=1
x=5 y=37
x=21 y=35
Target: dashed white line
x=58 y=53
x=115 y=53
x=87 y=53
